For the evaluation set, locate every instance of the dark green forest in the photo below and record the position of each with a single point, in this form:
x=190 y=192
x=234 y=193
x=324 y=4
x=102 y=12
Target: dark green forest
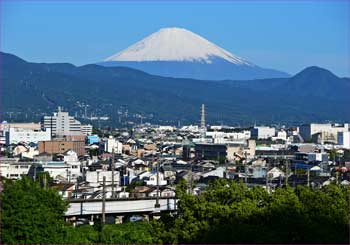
x=227 y=212
x=309 y=96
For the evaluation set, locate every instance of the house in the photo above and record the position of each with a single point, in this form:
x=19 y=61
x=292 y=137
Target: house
x=219 y=172
x=95 y=178
x=275 y=173
x=153 y=179
x=65 y=189
x=14 y=169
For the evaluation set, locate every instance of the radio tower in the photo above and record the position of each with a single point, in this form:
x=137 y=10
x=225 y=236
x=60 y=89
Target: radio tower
x=203 y=127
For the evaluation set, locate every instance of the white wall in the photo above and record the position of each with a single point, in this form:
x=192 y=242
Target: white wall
x=16 y=135
x=96 y=177
x=344 y=139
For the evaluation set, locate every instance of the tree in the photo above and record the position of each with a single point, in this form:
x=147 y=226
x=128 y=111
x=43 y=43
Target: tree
x=230 y=212
x=128 y=233
x=31 y=214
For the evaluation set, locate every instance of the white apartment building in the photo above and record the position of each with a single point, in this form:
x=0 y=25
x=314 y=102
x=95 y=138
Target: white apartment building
x=262 y=132
x=232 y=137
x=95 y=178
x=86 y=129
x=16 y=135
x=281 y=135
x=12 y=169
x=60 y=170
x=62 y=124
x=327 y=131
x=344 y=139
x=153 y=179
x=5 y=126
x=111 y=144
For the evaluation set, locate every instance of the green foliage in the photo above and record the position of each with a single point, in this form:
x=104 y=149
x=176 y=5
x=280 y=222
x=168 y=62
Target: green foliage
x=227 y=212
x=84 y=234
x=128 y=233
x=133 y=184
x=232 y=213
x=31 y=214
x=93 y=152
x=43 y=179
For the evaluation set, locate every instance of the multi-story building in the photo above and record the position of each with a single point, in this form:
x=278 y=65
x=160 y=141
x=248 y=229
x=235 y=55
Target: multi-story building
x=344 y=139
x=16 y=135
x=61 y=124
x=5 y=126
x=111 y=144
x=61 y=146
x=86 y=129
x=59 y=170
x=95 y=178
x=262 y=132
x=210 y=151
x=11 y=168
x=326 y=131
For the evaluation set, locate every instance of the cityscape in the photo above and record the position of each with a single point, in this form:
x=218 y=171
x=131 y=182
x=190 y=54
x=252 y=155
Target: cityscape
x=173 y=139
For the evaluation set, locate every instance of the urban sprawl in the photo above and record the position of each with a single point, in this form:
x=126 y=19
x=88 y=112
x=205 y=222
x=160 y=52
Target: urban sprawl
x=132 y=172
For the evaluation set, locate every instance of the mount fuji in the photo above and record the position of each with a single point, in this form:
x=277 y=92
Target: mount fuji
x=180 y=53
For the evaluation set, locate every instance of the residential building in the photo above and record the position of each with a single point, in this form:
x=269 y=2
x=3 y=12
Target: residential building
x=111 y=144
x=344 y=139
x=61 y=146
x=11 y=168
x=325 y=132
x=95 y=178
x=61 y=124
x=210 y=151
x=262 y=132
x=16 y=135
x=153 y=179
x=86 y=129
x=60 y=170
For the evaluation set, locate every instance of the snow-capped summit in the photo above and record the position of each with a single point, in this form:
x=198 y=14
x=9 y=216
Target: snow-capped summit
x=177 y=52
x=175 y=44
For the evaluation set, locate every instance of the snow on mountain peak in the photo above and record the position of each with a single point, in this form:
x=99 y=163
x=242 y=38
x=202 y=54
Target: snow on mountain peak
x=175 y=44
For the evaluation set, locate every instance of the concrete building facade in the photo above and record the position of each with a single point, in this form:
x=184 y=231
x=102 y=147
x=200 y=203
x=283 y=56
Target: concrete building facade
x=16 y=135
x=61 y=124
x=326 y=131
x=61 y=146
x=262 y=132
x=344 y=139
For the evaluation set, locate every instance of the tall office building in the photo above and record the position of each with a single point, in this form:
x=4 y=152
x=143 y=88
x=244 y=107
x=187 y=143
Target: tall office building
x=61 y=124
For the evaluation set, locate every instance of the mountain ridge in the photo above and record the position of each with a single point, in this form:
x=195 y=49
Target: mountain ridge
x=44 y=86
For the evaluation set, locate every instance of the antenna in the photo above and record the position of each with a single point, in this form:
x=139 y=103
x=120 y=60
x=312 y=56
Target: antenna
x=203 y=127
x=203 y=116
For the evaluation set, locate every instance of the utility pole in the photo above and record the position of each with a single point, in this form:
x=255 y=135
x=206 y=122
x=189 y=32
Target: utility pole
x=44 y=180
x=308 y=177
x=104 y=201
x=245 y=167
x=35 y=172
x=157 y=205
x=287 y=171
x=267 y=178
x=112 y=166
x=191 y=180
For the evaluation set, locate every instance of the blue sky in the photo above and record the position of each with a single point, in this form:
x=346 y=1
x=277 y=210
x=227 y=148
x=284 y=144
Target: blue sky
x=283 y=35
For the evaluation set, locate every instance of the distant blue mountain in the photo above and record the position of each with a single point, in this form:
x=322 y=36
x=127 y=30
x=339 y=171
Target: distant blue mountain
x=314 y=94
